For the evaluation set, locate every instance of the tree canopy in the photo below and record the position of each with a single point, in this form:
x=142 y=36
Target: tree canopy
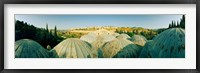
x=178 y=24
x=43 y=36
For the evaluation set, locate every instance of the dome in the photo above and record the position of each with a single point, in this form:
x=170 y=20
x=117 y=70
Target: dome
x=116 y=34
x=169 y=44
x=72 y=48
x=123 y=36
x=119 y=48
x=145 y=50
x=103 y=34
x=139 y=40
x=26 y=48
x=106 y=38
x=96 y=45
x=89 y=38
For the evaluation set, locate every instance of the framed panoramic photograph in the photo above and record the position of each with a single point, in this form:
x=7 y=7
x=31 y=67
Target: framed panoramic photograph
x=100 y=35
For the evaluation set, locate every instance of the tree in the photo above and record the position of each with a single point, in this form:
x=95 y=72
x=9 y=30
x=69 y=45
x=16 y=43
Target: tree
x=117 y=31
x=47 y=35
x=178 y=24
x=130 y=34
x=137 y=32
x=174 y=23
x=55 y=32
x=170 y=26
x=142 y=33
x=120 y=32
x=182 y=22
x=43 y=36
x=47 y=27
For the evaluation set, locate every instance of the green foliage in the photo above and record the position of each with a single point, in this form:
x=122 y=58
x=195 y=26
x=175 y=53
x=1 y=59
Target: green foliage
x=170 y=25
x=24 y=30
x=41 y=35
x=178 y=24
x=119 y=31
x=181 y=24
x=148 y=35
x=160 y=30
x=55 y=32
x=130 y=34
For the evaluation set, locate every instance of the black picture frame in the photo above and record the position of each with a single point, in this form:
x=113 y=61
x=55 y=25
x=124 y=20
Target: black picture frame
x=2 y=2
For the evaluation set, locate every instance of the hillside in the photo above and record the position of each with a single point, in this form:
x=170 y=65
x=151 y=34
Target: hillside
x=78 y=32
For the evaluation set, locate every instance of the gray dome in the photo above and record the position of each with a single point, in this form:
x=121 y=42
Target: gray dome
x=123 y=36
x=72 y=48
x=139 y=40
x=96 y=45
x=169 y=44
x=26 y=48
x=145 y=50
x=103 y=34
x=89 y=38
x=120 y=48
x=116 y=34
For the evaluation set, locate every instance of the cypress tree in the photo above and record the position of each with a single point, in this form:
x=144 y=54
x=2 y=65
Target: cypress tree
x=55 y=32
x=47 y=35
x=178 y=25
x=55 y=35
x=170 y=26
x=182 y=23
x=175 y=24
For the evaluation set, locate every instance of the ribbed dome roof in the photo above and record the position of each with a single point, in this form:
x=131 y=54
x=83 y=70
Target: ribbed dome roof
x=169 y=44
x=96 y=45
x=89 y=38
x=103 y=34
x=139 y=40
x=145 y=50
x=116 y=34
x=26 y=48
x=120 y=48
x=123 y=36
x=72 y=48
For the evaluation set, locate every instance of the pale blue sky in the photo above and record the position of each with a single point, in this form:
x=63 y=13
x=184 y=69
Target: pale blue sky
x=78 y=21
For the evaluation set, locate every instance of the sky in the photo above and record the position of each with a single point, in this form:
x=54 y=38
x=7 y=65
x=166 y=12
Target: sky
x=81 y=21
